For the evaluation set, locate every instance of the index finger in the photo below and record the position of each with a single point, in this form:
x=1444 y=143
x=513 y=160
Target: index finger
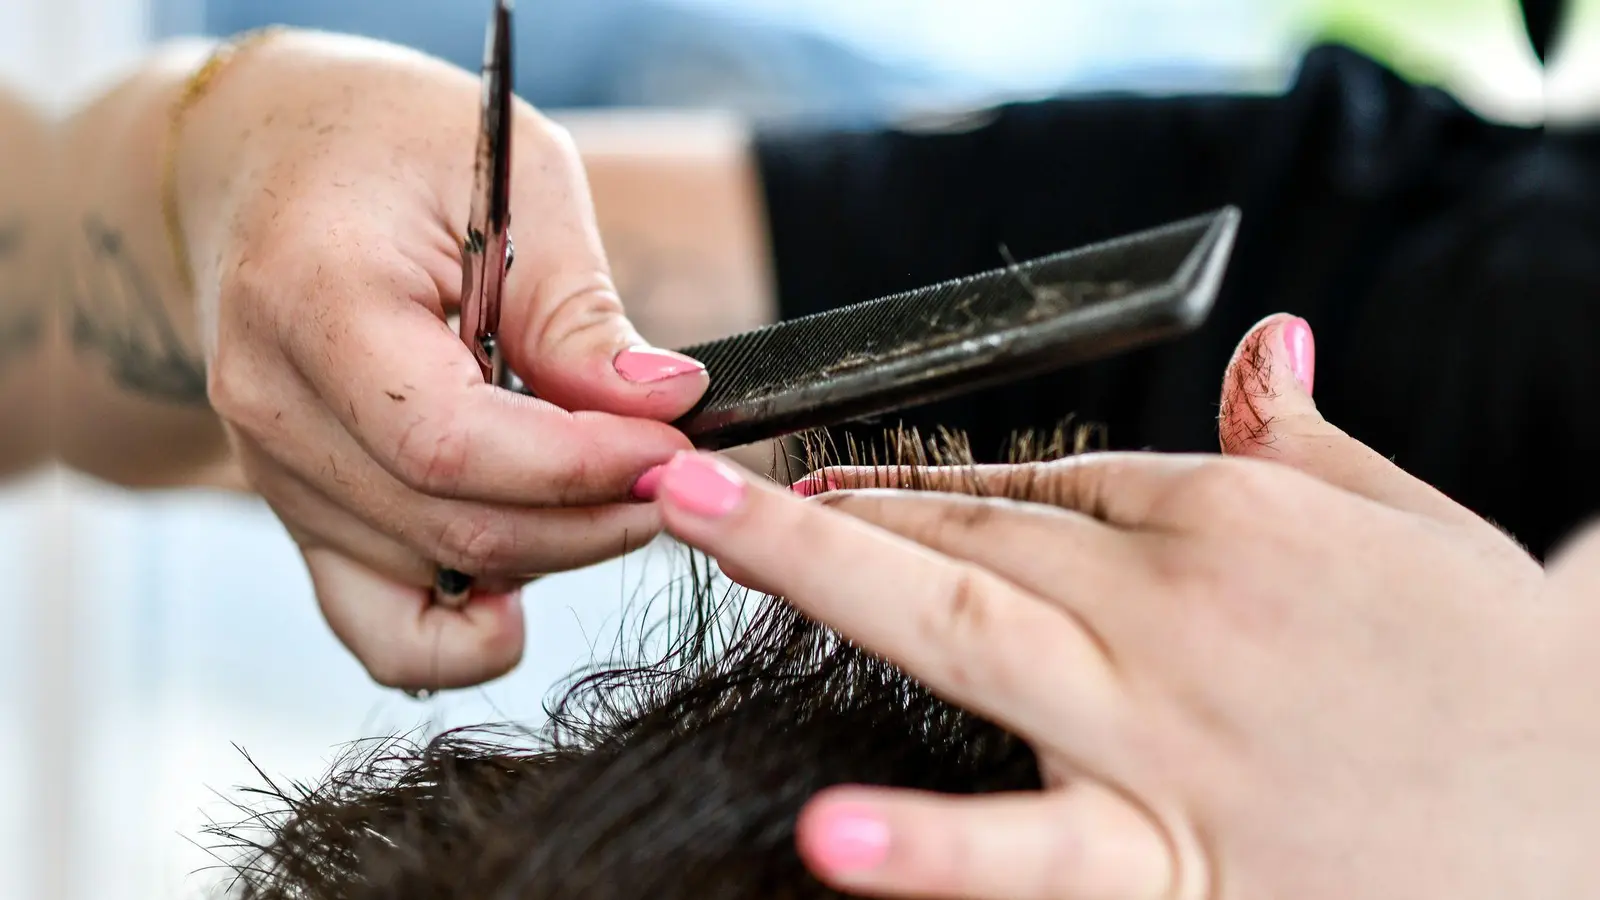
x=409 y=391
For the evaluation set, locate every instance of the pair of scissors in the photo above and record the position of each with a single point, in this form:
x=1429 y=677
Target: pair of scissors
x=486 y=249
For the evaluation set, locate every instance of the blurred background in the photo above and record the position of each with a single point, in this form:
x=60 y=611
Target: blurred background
x=153 y=638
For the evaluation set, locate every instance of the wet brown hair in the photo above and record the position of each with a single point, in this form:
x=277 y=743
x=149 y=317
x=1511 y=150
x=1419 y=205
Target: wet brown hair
x=674 y=773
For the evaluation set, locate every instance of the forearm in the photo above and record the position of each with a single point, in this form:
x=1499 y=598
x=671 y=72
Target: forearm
x=131 y=402
x=25 y=261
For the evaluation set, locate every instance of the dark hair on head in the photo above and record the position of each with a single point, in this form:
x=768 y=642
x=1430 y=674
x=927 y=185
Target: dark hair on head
x=670 y=775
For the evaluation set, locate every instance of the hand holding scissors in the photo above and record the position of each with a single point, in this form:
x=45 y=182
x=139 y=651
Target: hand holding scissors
x=327 y=267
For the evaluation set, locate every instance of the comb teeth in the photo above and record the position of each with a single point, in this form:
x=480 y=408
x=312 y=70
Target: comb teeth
x=774 y=360
x=961 y=335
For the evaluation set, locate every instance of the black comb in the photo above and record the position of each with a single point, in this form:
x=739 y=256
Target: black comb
x=961 y=336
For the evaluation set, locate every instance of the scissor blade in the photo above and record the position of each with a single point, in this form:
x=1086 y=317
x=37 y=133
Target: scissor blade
x=485 y=248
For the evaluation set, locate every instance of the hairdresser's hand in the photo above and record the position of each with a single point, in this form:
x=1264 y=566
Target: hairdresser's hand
x=325 y=183
x=1245 y=682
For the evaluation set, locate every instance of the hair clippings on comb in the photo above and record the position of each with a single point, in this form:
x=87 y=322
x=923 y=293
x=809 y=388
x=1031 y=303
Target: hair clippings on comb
x=1015 y=322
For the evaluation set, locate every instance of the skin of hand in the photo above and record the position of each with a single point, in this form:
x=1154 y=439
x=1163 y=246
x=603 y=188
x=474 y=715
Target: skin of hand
x=324 y=183
x=1288 y=671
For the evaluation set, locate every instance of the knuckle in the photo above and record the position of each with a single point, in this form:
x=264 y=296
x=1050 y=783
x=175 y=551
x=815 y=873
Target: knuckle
x=845 y=500
x=569 y=484
x=962 y=616
x=966 y=601
x=574 y=313
x=474 y=542
x=965 y=515
x=1184 y=573
x=1226 y=489
x=236 y=391
x=241 y=349
x=557 y=136
x=251 y=278
x=944 y=520
x=431 y=454
x=228 y=386
x=957 y=521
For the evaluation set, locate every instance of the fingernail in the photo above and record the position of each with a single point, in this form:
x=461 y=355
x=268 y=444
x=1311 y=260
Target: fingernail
x=701 y=485
x=850 y=840
x=812 y=485
x=647 y=365
x=1302 y=350
x=647 y=485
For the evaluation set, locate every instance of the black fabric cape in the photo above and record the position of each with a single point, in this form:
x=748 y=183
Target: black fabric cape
x=1362 y=195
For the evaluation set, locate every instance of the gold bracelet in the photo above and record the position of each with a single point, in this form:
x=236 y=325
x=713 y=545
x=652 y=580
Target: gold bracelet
x=194 y=89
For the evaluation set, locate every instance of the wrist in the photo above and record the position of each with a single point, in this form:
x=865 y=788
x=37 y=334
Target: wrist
x=187 y=206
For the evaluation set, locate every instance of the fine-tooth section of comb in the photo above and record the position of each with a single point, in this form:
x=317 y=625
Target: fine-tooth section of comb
x=960 y=336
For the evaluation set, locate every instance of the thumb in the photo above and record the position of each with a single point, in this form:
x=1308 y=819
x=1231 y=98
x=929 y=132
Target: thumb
x=564 y=329
x=403 y=640
x=578 y=350
x=1267 y=412
x=1266 y=390
x=1081 y=842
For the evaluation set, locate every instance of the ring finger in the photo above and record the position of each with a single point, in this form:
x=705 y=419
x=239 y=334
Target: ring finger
x=317 y=522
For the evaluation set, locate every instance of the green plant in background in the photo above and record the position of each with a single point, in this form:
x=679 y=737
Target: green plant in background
x=1478 y=50
x=1427 y=41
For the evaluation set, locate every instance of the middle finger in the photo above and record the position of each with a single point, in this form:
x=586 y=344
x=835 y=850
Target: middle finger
x=479 y=539
x=970 y=635
x=1060 y=555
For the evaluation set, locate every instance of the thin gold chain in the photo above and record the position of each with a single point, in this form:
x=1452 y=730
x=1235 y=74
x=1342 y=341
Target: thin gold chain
x=194 y=90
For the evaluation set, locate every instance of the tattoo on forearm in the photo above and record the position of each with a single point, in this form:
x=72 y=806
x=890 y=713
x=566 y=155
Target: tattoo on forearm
x=21 y=319
x=118 y=317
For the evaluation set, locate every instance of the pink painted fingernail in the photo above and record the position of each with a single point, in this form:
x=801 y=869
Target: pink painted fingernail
x=812 y=485
x=647 y=365
x=848 y=840
x=701 y=485
x=647 y=485
x=1302 y=349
